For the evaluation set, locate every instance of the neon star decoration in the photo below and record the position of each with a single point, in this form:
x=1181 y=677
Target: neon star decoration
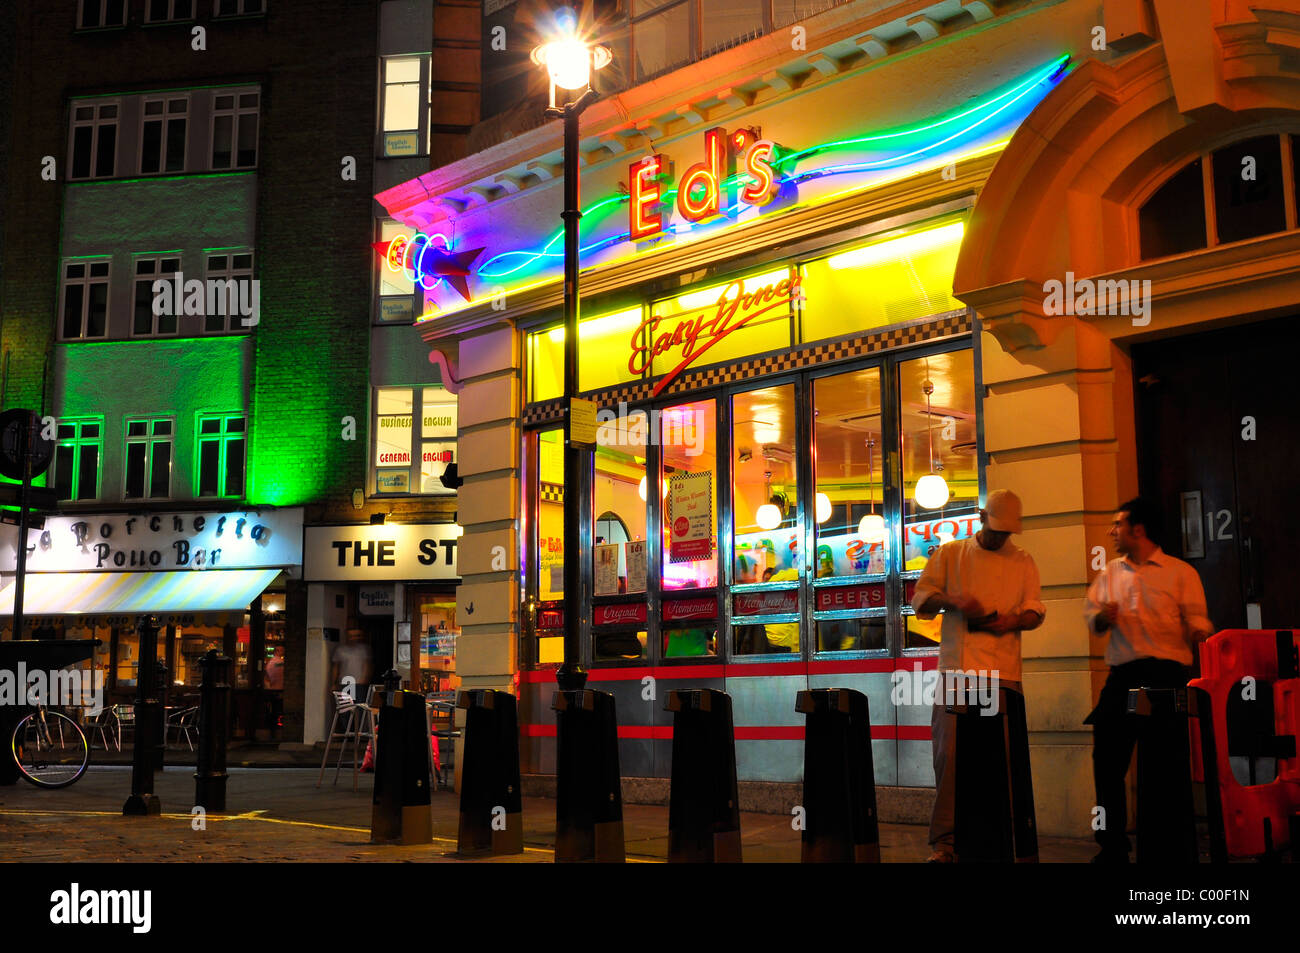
x=861 y=158
x=427 y=265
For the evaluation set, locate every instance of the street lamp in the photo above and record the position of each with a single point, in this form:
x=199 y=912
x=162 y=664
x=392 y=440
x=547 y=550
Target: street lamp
x=569 y=61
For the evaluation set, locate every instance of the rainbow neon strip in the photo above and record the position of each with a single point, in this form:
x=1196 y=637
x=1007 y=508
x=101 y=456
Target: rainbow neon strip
x=944 y=132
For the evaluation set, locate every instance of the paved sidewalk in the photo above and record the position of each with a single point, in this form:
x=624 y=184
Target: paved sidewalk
x=278 y=814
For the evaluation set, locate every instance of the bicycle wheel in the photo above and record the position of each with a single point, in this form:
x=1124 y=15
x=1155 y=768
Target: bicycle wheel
x=50 y=749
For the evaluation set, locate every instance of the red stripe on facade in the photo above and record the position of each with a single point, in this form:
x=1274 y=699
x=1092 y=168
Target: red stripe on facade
x=744 y=670
x=744 y=732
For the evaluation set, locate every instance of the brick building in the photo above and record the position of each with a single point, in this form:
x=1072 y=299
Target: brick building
x=235 y=144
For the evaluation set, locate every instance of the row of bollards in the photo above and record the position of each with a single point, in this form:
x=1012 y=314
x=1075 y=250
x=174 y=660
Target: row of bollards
x=839 y=814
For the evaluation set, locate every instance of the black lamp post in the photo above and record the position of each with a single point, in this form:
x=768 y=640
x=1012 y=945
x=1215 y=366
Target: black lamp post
x=569 y=61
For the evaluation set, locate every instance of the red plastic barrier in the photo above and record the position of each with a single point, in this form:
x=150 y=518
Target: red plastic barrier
x=1227 y=658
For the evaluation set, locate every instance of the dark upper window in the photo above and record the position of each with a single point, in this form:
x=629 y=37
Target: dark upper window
x=92 y=14
x=1247 y=183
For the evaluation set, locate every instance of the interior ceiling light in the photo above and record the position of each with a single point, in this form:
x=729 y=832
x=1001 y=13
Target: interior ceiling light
x=932 y=489
x=823 y=507
x=872 y=526
x=769 y=515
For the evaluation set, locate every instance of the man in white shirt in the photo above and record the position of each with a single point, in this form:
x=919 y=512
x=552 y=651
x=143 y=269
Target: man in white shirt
x=988 y=591
x=1153 y=607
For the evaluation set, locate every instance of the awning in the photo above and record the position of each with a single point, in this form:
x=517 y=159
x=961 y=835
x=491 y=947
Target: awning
x=76 y=593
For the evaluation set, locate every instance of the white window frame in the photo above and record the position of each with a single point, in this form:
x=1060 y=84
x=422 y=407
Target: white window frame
x=158 y=273
x=96 y=123
x=424 y=107
x=418 y=440
x=149 y=439
x=233 y=320
x=165 y=118
x=223 y=439
x=171 y=12
x=382 y=274
x=86 y=280
x=103 y=10
x=235 y=112
x=241 y=5
x=77 y=441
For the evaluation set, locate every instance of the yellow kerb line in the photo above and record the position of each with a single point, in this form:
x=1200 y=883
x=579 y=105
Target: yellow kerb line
x=257 y=816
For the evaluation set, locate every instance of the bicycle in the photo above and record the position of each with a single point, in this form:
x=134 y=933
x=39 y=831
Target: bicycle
x=50 y=748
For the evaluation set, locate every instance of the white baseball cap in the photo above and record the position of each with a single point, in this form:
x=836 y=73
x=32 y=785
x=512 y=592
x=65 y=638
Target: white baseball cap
x=1003 y=512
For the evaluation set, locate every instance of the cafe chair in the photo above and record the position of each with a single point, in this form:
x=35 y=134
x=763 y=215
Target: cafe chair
x=184 y=722
x=106 y=723
x=358 y=725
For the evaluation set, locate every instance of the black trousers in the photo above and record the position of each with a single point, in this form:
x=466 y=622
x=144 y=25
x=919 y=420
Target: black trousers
x=1114 y=734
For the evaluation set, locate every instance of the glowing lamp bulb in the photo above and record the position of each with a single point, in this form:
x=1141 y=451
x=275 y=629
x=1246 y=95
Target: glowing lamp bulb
x=569 y=63
x=640 y=488
x=872 y=528
x=823 y=507
x=768 y=516
x=931 y=491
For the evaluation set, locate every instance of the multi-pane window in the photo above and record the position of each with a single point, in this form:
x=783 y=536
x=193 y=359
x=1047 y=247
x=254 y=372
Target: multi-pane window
x=222 y=445
x=415 y=439
x=85 y=299
x=76 y=459
x=230 y=275
x=234 y=129
x=146 y=320
x=403 y=104
x=148 y=459
x=235 y=8
x=395 y=287
x=94 y=140
x=159 y=11
x=162 y=135
x=1247 y=183
x=100 y=13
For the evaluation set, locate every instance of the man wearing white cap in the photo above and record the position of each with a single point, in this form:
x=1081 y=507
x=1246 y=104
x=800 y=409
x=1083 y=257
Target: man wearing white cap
x=988 y=591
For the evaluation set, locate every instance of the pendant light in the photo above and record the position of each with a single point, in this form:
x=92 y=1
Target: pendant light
x=932 y=489
x=769 y=515
x=823 y=508
x=872 y=526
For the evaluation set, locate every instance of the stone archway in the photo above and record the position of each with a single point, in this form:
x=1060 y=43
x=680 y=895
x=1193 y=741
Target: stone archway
x=1058 y=408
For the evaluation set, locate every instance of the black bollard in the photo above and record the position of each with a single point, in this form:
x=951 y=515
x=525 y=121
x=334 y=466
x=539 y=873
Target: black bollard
x=589 y=795
x=839 y=779
x=214 y=727
x=143 y=802
x=1166 y=815
x=491 y=807
x=703 y=803
x=994 y=819
x=10 y=715
x=401 y=806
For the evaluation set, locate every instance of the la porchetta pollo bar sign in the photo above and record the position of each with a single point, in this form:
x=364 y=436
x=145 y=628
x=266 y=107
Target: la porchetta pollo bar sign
x=156 y=541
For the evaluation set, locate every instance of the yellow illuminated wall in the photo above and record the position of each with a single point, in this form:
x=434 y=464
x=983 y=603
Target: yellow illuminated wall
x=888 y=281
x=604 y=346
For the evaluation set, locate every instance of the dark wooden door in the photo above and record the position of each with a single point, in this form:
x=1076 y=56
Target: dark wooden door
x=1217 y=415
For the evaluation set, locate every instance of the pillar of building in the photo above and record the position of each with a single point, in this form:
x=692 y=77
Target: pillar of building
x=1059 y=432
x=487 y=601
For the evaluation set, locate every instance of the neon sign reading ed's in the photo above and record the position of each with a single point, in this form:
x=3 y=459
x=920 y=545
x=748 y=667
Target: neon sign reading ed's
x=699 y=193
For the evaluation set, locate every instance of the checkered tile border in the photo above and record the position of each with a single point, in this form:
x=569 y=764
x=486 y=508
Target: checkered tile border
x=950 y=325
x=552 y=493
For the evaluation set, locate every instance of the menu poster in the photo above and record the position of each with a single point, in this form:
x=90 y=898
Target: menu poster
x=636 y=565
x=606 y=569
x=690 y=515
